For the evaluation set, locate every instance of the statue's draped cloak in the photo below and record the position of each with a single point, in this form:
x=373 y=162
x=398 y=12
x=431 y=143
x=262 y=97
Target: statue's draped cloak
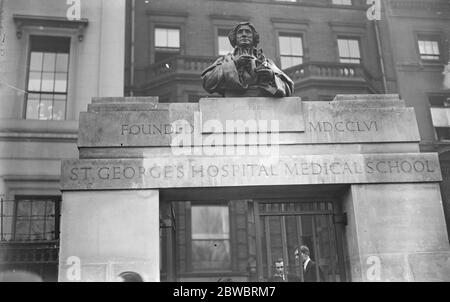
x=223 y=76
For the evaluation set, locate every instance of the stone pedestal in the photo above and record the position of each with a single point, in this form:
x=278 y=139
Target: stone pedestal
x=396 y=232
x=129 y=151
x=106 y=233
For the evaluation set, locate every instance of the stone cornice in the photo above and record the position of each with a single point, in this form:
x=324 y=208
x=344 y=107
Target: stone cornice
x=33 y=130
x=39 y=137
x=22 y=21
x=291 y=21
x=313 y=4
x=39 y=178
x=229 y=17
x=333 y=24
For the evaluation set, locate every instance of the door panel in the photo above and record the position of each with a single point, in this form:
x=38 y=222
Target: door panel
x=285 y=225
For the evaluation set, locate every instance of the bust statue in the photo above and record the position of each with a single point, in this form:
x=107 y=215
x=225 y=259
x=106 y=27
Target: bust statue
x=246 y=71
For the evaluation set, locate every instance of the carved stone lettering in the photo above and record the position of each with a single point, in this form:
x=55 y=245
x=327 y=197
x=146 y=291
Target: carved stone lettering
x=343 y=126
x=231 y=171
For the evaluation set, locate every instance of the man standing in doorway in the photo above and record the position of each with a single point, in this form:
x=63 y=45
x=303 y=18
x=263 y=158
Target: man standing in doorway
x=279 y=275
x=308 y=266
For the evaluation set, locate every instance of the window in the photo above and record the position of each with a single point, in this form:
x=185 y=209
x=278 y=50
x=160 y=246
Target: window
x=224 y=46
x=30 y=236
x=167 y=43
x=30 y=219
x=36 y=219
x=48 y=71
x=349 y=51
x=341 y=2
x=210 y=238
x=291 y=50
x=429 y=48
x=440 y=105
x=439 y=100
x=443 y=133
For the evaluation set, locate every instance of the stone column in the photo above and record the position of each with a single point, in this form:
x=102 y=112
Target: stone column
x=397 y=232
x=104 y=233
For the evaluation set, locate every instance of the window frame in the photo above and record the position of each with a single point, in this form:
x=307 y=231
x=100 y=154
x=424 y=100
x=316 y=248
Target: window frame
x=189 y=259
x=165 y=19
x=166 y=25
x=291 y=27
x=350 y=37
x=290 y=34
x=55 y=198
x=442 y=134
x=438 y=100
x=72 y=71
x=175 y=51
x=431 y=36
x=27 y=76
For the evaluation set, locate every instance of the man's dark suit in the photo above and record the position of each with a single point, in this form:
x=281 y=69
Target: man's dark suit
x=276 y=278
x=310 y=274
x=288 y=278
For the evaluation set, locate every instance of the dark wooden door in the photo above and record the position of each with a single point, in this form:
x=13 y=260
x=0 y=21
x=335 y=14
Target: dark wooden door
x=283 y=225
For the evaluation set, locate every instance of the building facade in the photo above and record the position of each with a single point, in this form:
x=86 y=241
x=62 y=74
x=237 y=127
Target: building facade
x=419 y=35
x=333 y=42
x=55 y=56
x=159 y=48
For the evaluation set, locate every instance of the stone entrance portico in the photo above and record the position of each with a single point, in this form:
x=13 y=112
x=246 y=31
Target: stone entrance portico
x=132 y=149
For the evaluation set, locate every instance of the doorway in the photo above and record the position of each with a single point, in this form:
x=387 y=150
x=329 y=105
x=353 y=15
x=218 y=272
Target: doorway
x=239 y=236
x=285 y=225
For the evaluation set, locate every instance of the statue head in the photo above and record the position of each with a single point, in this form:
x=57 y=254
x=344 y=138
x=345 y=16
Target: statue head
x=233 y=35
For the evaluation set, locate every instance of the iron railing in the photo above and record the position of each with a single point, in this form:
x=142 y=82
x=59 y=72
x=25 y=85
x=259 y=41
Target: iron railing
x=336 y=71
x=22 y=253
x=35 y=254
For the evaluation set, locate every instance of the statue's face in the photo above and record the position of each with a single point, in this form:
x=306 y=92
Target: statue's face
x=244 y=36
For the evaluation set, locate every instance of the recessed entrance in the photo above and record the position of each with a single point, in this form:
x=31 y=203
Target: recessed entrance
x=284 y=225
x=239 y=239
